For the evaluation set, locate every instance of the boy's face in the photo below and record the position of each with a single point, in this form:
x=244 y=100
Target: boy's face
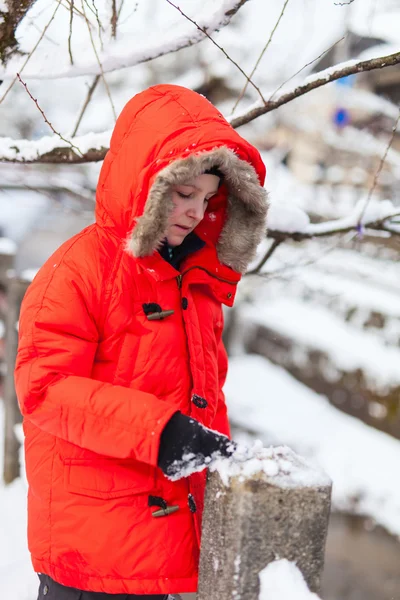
x=190 y=202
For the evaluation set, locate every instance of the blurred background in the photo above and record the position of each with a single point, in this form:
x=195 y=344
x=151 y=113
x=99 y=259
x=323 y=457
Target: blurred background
x=314 y=337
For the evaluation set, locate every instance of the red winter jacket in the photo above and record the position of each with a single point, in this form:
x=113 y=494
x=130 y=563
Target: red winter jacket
x=97 y=380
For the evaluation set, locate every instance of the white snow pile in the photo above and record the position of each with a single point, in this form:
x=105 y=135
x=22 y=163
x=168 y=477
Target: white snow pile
x=282 y=580
x=7 y=246
x=361 y=461
x=280 y=465
x=347 y=348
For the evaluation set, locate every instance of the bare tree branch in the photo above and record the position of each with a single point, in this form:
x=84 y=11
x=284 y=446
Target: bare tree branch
x=95 y=11
x=45 y=118
x=378 y=171
x=219 y=17
x=275 y=244
x=114 y=18
x=99 y=63
x=9 y=21
x=14 y=150
x=86 y=104
x=316 y=81
x=43 y=33
x=121 y=6
x=305 y=67
x=71 y=17
x=242 y=93
x=203 y=30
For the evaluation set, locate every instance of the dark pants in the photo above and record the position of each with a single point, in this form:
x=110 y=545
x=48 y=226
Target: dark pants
x=51 y=590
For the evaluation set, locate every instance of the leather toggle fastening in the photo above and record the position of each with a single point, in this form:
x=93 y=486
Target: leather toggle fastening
x=164 y=512
x=160 y=315
x=154 y=312
x=164 y=509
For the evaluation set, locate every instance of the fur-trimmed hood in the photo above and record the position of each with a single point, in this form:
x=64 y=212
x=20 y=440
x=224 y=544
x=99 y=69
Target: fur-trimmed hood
x=166 y=136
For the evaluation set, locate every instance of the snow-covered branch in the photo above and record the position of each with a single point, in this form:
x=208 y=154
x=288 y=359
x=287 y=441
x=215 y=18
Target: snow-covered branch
x=124 y=53
x=288 y=222
x=284 y=224
x=11 y=14
x=50 y=149
x=313 y=82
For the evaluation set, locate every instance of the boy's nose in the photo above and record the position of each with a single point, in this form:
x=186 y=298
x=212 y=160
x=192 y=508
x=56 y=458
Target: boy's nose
x=197 y=210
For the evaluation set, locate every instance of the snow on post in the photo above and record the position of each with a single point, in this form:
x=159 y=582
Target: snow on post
x=267 y=505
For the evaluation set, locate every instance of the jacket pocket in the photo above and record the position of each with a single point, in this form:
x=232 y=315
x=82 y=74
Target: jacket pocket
x=107 y=478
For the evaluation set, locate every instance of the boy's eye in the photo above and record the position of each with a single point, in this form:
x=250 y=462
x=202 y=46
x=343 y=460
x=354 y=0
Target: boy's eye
x=182 y=195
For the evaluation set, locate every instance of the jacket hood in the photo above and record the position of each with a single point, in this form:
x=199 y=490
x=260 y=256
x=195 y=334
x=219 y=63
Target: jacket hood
x=165 y=136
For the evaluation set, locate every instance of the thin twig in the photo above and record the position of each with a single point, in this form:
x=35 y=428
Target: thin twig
x=219 y=47
x=120 y=8
x=100 y=65
x=99 y=23
x=343 y=3
x=114 y=18
x=268 y=254
x=68 y=7
x=71 y=17
x=324 y=77
x=242 y=93
x=45 y=118
x=32 y=51
x=304 y=67
x=378 y=171
x=86 y=103
x=311 y=261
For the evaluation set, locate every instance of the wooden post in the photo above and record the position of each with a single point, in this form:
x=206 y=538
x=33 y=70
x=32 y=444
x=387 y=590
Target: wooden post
x=281 y=510
x=14 y=292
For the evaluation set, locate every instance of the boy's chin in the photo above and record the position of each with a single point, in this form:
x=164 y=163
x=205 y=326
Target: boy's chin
x=175 y=239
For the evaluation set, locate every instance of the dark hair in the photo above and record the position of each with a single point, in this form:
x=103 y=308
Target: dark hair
x=215 y=171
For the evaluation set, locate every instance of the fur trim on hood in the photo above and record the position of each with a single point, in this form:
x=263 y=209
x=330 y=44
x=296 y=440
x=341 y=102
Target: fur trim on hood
x=247 y=205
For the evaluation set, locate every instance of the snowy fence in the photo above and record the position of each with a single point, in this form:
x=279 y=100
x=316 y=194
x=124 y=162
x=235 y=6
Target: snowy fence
x=274 y=506
x=14 y=289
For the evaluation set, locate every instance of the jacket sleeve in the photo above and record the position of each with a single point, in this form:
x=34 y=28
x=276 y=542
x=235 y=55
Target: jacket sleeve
x=221 y=422
x=58 y=339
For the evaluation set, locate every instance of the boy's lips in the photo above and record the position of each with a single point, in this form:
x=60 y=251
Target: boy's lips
x=183 y=228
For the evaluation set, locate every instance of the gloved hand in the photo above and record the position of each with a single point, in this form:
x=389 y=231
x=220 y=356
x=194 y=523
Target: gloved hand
x=186 y=446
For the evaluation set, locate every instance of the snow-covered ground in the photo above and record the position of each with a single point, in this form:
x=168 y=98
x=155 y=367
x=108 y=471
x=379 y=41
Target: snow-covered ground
x=361 y=461
x=282 y=580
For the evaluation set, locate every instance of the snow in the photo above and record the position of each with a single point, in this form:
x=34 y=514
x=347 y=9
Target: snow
x=361 y=461
x=29 y=150
x=282 y=580
x=367 y=20
x=7 y=246
x=28 y=274
x=290 y=217
x=279 y=465
x=17 y=579
x=285 y=216
x=149 y=44
x=347 y=348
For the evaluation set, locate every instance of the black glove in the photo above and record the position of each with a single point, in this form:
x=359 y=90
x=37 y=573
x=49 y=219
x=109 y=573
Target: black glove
x=187 y=446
